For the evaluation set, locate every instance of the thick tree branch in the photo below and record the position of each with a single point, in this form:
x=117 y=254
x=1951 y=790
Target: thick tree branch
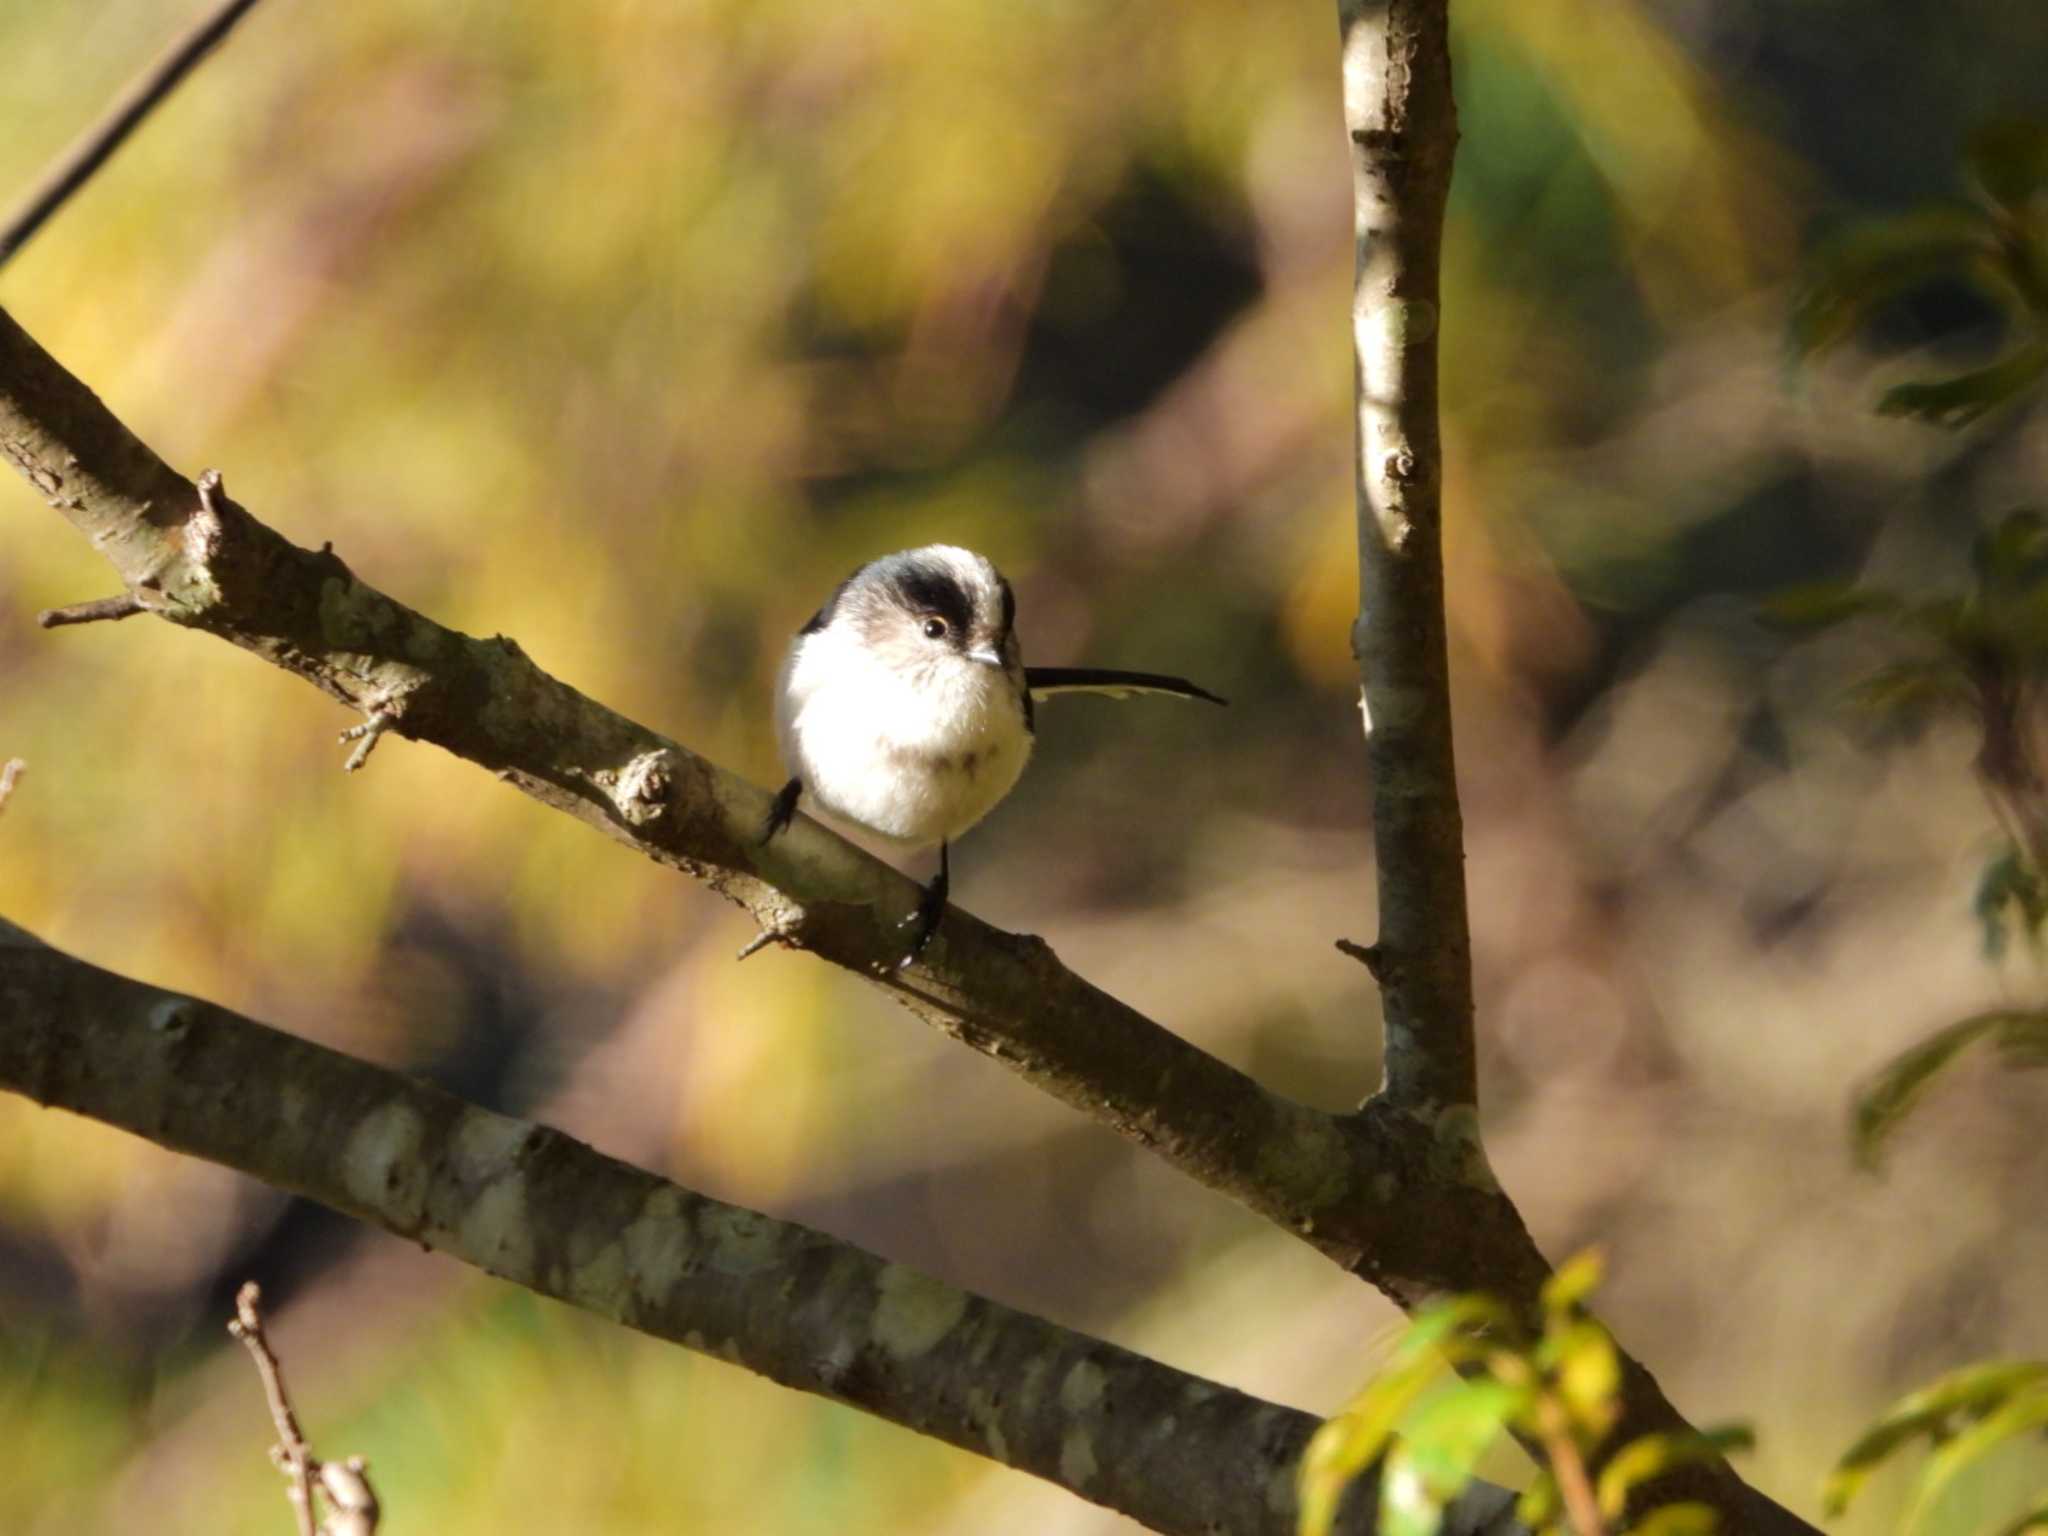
x=91 y=149
x=1401 y=1197
x=525 y=1202
x=1403 y=126
x=189 y=554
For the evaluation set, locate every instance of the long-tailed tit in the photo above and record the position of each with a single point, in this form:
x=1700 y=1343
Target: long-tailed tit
x=905 y=708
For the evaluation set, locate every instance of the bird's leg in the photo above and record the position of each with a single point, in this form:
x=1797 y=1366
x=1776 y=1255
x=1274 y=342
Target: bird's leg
x=929 y=906
x=783 y=810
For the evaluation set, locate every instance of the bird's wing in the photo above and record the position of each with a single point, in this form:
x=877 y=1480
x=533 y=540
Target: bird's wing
x=1043 y=681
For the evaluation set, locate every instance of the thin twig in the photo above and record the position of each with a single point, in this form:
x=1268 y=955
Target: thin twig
x=1367 y=955
x=1574 y=1485
x=757 y=943
x=366 y=736
x=10 y=775
x=121 y=605
x=91 y=149
x=296 y=1456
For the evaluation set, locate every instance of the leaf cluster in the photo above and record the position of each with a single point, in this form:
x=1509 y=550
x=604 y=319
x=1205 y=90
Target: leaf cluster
x=1557 y=1389
x=1962 y=1417
x=1978 y=654
x=2019 y=1037
x=1995 y=244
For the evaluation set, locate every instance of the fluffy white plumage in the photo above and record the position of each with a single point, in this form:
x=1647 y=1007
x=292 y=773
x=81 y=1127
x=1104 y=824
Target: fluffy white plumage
x=905 y=708
x=912 y=736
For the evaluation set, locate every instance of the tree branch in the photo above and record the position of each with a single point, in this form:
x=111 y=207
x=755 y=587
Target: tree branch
x=1402 y=121
x=194 y=557
x=1401 y=1198
x=1403 y=126
x=527 y=1203
x=291 y=1448
x=96 y=145
x=353 y=1509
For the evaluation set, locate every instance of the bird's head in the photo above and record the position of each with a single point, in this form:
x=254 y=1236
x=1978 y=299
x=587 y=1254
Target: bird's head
x=941 y=615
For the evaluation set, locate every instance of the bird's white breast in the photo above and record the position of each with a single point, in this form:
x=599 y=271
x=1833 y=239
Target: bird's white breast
x=917 y=757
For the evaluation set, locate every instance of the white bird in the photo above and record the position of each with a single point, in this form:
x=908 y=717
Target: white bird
x=905 y=708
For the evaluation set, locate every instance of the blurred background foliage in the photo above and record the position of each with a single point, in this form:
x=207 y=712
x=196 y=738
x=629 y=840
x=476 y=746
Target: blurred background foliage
x=627 y=329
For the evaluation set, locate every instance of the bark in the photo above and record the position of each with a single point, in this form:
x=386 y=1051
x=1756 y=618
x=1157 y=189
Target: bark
x=523 y=1201
x=1399 y=1193
x=1403 y=127
x=206 y=564
x=1402 y=121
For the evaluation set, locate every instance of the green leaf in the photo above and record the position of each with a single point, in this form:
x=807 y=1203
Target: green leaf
x=1906 y=695
x=1685 y=1519
x=1951 y=620
x=1586 y=1372
x=2013 y=553
x=1654 y=1455
x=2022 y=1037
x=1820 y=605
x=1576 y=1279
x=1456 y=1329
x=1862 y=271
x=2008 y=160
x=1540 y=1505
x=1934 y=1411
x=2010 y=885
x=1439 y=1446
x=2023 y=1412
x=1955 y=403
x=1344 y=1446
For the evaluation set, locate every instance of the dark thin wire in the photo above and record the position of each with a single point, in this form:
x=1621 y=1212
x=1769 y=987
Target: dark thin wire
x=90 y=150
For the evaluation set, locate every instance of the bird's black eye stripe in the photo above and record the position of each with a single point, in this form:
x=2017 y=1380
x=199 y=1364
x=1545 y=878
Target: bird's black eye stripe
x=934 y=591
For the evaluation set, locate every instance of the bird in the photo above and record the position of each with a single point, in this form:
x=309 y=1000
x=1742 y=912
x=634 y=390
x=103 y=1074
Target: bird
x=904 y=706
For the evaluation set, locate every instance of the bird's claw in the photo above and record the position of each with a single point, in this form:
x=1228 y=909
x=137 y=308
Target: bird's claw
x=924 y=922
x=783 y=811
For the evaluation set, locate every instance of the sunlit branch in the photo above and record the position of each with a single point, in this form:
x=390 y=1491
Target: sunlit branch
x=527 y=1203
x=1402 y=1199
x=1402 y=122
x=1403 y=129
x=193 y=556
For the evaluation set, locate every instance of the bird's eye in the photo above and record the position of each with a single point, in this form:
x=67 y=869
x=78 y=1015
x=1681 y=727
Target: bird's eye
x=935 y=629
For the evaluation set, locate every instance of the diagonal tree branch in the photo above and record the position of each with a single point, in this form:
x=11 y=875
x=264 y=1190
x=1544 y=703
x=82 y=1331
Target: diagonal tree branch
x=92 y=149
x=1402 y=1198
x=529 y=1204
x=204 y=563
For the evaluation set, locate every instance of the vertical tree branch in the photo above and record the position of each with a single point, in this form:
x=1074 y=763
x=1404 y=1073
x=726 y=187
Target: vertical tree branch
x=1402 y=121
x=1403 y=129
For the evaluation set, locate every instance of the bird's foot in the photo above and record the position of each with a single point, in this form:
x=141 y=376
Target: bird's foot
x=783 y=811
x=924 y=922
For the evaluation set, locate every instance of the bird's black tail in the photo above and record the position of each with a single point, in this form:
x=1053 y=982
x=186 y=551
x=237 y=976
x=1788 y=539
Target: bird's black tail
x=1044 y=681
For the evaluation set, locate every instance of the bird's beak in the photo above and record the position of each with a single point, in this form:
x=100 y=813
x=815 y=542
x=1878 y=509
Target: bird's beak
x=987 y=657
